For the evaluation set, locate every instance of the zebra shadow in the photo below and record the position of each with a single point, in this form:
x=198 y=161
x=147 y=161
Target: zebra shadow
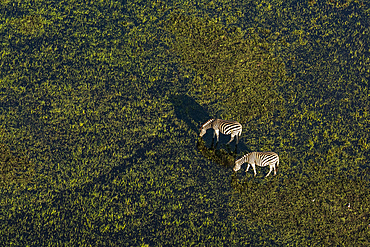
x=226 y=159
x=221 y=144
x=194 y=115
x=188 y=110
x=220 y=156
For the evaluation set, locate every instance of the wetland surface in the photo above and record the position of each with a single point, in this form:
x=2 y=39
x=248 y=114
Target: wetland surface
x=101 y=104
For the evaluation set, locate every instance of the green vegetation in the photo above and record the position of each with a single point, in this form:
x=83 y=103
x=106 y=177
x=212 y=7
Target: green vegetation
x=234 y=74
x=100 y=105
x=13 y=169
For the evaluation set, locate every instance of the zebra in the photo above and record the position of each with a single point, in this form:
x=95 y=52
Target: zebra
x=260 y=159
x=226 y=127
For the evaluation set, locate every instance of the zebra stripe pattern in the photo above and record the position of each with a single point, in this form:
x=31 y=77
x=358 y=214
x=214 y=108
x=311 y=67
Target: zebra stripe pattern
x=260 y=159
x=226 y=127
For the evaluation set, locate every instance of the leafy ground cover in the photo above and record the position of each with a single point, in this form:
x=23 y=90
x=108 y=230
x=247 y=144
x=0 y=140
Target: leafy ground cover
x=100 y=105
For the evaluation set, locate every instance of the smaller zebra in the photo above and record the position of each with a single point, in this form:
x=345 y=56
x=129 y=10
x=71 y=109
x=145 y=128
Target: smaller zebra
x=226 y=127
x=260 y=159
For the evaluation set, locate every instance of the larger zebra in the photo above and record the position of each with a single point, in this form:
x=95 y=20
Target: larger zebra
x=226 y=127
x=260 y=159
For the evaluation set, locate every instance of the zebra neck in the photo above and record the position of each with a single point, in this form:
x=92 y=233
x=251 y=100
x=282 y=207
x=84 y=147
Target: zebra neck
x=246 y=159
x=209 y=124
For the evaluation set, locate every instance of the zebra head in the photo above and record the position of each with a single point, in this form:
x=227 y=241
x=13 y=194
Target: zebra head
x=202 y=131
x=205 y=126
x=238 y=164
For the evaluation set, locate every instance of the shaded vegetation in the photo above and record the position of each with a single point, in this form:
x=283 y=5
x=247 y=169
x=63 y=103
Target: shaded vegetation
x=101 y=103
x=189 y=111
x=219 y=156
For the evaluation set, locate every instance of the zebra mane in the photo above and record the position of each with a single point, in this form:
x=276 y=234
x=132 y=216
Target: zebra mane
x=208 y=122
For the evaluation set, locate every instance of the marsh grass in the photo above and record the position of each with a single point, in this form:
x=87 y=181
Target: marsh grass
x=14 y=169
x=29 y=25
x=101 y=103
x=236 y=71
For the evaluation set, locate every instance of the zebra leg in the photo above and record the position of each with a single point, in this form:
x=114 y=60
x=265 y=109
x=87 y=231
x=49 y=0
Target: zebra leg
x=236 y=145
x=232 y=138
x=247 y=167
x=217 y=134
x=254 y=169
x=213 y=140
x=271 y=167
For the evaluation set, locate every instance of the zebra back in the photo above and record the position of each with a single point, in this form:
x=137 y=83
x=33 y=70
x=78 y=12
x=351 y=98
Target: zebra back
x=228 y=126
x=263 y=158
x=257 y=158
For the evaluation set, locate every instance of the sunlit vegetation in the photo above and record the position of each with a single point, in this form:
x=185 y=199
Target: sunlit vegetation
x=236 y=71
x=28 y=25
x=14 y=169
x=101 y=104
x=322 y=212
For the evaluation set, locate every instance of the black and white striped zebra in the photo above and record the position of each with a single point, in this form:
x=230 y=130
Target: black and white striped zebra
x=260 y=159
x=226 y=127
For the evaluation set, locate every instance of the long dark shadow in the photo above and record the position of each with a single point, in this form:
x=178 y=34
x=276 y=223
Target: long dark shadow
x=188 y=110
